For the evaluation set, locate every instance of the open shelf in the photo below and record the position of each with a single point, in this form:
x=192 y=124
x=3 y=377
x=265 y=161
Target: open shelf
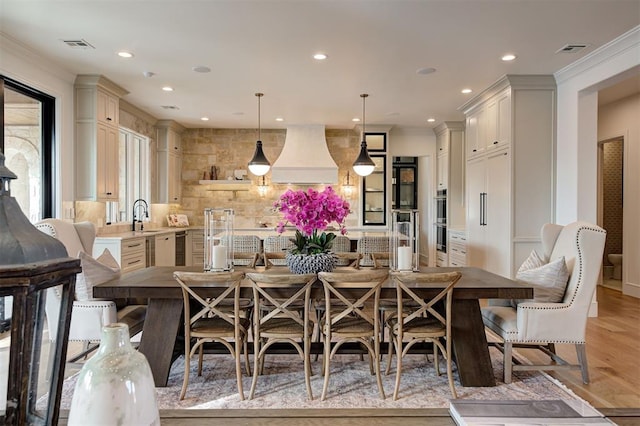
x=227 y=185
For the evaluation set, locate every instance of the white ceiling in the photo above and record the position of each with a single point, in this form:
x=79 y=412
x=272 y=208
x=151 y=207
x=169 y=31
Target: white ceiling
x=266 y=46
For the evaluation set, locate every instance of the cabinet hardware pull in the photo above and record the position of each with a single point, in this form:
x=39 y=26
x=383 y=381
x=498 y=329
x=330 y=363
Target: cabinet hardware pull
x=134 y=262
x=109 y=119
x=108 y=193
x=495 y=142
x=134 y=245
x=474 y=150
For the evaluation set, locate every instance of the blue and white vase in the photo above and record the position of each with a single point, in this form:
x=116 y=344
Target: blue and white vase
x=115 y=386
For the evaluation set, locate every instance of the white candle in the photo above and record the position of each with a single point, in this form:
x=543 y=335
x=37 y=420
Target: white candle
x=404 y=258
x=218 y=257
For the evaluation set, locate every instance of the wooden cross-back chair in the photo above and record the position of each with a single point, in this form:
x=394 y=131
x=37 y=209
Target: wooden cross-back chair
x=351 y=319
x=424 y=323
x=212 y=321
x=281 y=319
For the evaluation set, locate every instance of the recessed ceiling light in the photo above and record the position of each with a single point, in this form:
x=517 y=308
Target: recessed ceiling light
x=125 y=54
x=320 y=56
x=148 y=74
x=465 y=91
x=279 y=119
x=508 y=57
x=355 y=119
x=431 y=120
x=204 y=118
x=201 y=68
x=425 y=71
x=167 y=89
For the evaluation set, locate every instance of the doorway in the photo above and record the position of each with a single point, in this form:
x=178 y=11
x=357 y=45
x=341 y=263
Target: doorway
x=611 y=207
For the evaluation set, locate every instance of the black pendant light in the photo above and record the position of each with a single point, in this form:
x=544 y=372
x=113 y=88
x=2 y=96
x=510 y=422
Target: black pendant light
x=363 y=165
x=259 y=165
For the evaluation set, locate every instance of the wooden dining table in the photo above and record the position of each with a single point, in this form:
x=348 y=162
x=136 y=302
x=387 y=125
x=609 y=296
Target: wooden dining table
x=165 y=305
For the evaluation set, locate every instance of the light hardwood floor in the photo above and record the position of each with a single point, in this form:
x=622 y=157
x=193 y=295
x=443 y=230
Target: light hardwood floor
x=613 y=349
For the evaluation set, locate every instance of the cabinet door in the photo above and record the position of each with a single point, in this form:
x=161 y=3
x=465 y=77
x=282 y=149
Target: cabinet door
x=498 y=214
x=442 y=165
x=165 y=250
x=476 y=175
x=472 y=135
x=499 y=122
x=107 y=108
x=107 y=163
x=174 y=178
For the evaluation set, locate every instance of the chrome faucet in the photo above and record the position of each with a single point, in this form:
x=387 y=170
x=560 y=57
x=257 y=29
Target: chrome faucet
x=139 y=203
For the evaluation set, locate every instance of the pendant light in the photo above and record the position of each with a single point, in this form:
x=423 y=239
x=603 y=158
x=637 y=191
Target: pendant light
x=347 y=188
x=363 y=165
x=259 y=165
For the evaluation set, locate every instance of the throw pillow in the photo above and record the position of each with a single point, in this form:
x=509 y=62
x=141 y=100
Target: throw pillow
x=549 y=281
x=533 y=261
x=94 y=272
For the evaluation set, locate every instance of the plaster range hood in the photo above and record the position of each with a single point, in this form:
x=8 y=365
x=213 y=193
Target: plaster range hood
x=305 y=158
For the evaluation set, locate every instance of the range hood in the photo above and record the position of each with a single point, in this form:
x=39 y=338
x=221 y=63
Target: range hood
x=305 y=158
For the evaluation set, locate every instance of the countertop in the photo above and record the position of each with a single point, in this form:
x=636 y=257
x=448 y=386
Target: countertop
x=260 y=232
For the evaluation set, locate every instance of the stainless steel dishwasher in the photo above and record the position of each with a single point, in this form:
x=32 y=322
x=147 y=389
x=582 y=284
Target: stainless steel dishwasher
x=181 y=238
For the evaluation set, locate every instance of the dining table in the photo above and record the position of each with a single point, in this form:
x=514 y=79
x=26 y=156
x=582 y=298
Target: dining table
x=165 y=306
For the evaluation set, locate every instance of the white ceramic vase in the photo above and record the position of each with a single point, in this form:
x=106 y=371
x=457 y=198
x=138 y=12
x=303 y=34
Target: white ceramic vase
x=115 y=386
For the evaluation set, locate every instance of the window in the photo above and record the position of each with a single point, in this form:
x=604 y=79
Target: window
x=28 y=145
x=134 y=175
x=27 y=142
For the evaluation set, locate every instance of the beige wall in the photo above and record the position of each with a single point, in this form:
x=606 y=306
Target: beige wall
x=231 y=149
x=621 y=119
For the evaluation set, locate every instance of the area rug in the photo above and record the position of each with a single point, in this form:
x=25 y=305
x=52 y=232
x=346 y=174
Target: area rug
x=351 y=385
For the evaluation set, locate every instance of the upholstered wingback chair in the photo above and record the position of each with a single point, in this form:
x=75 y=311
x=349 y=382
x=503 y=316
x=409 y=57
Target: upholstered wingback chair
x=542 y=325
x=87 y=316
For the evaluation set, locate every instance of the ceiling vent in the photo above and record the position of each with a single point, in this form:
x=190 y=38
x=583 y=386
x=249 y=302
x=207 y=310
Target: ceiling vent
x=78 y=44
x=571 y=48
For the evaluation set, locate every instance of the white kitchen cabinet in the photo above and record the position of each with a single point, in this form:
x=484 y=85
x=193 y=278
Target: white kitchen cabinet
x=489 y=218
x=489 y=125
x=130 y=253
x=509 y=170
x=457 y=248
x=165 y=249
x=108 y=166
x=108 y=108
x=442 y=166
x=169 y=162
x=96 y=143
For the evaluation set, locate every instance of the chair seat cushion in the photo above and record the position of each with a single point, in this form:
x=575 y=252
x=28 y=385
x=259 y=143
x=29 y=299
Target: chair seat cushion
x=420 y=325
x=282 y=326
x=352 y=325
x=502 y=320
x=217 y=327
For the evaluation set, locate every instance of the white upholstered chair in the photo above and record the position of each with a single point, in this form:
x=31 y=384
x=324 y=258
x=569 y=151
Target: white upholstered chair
x=87 y=316
x=542 y=325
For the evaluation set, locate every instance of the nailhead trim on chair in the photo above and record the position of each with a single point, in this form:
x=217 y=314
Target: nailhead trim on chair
x=582 y=228
x=580 y=272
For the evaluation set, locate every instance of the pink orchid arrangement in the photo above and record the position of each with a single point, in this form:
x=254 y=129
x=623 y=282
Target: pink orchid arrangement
x=311 y=212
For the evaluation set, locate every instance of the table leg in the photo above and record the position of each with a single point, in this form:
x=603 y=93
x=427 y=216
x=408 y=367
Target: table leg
x=159 y=335
x=470 y=344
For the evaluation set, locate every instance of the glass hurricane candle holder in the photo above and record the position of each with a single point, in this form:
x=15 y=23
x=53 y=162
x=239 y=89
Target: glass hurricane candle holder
x=404 y=249
x=218 y=240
